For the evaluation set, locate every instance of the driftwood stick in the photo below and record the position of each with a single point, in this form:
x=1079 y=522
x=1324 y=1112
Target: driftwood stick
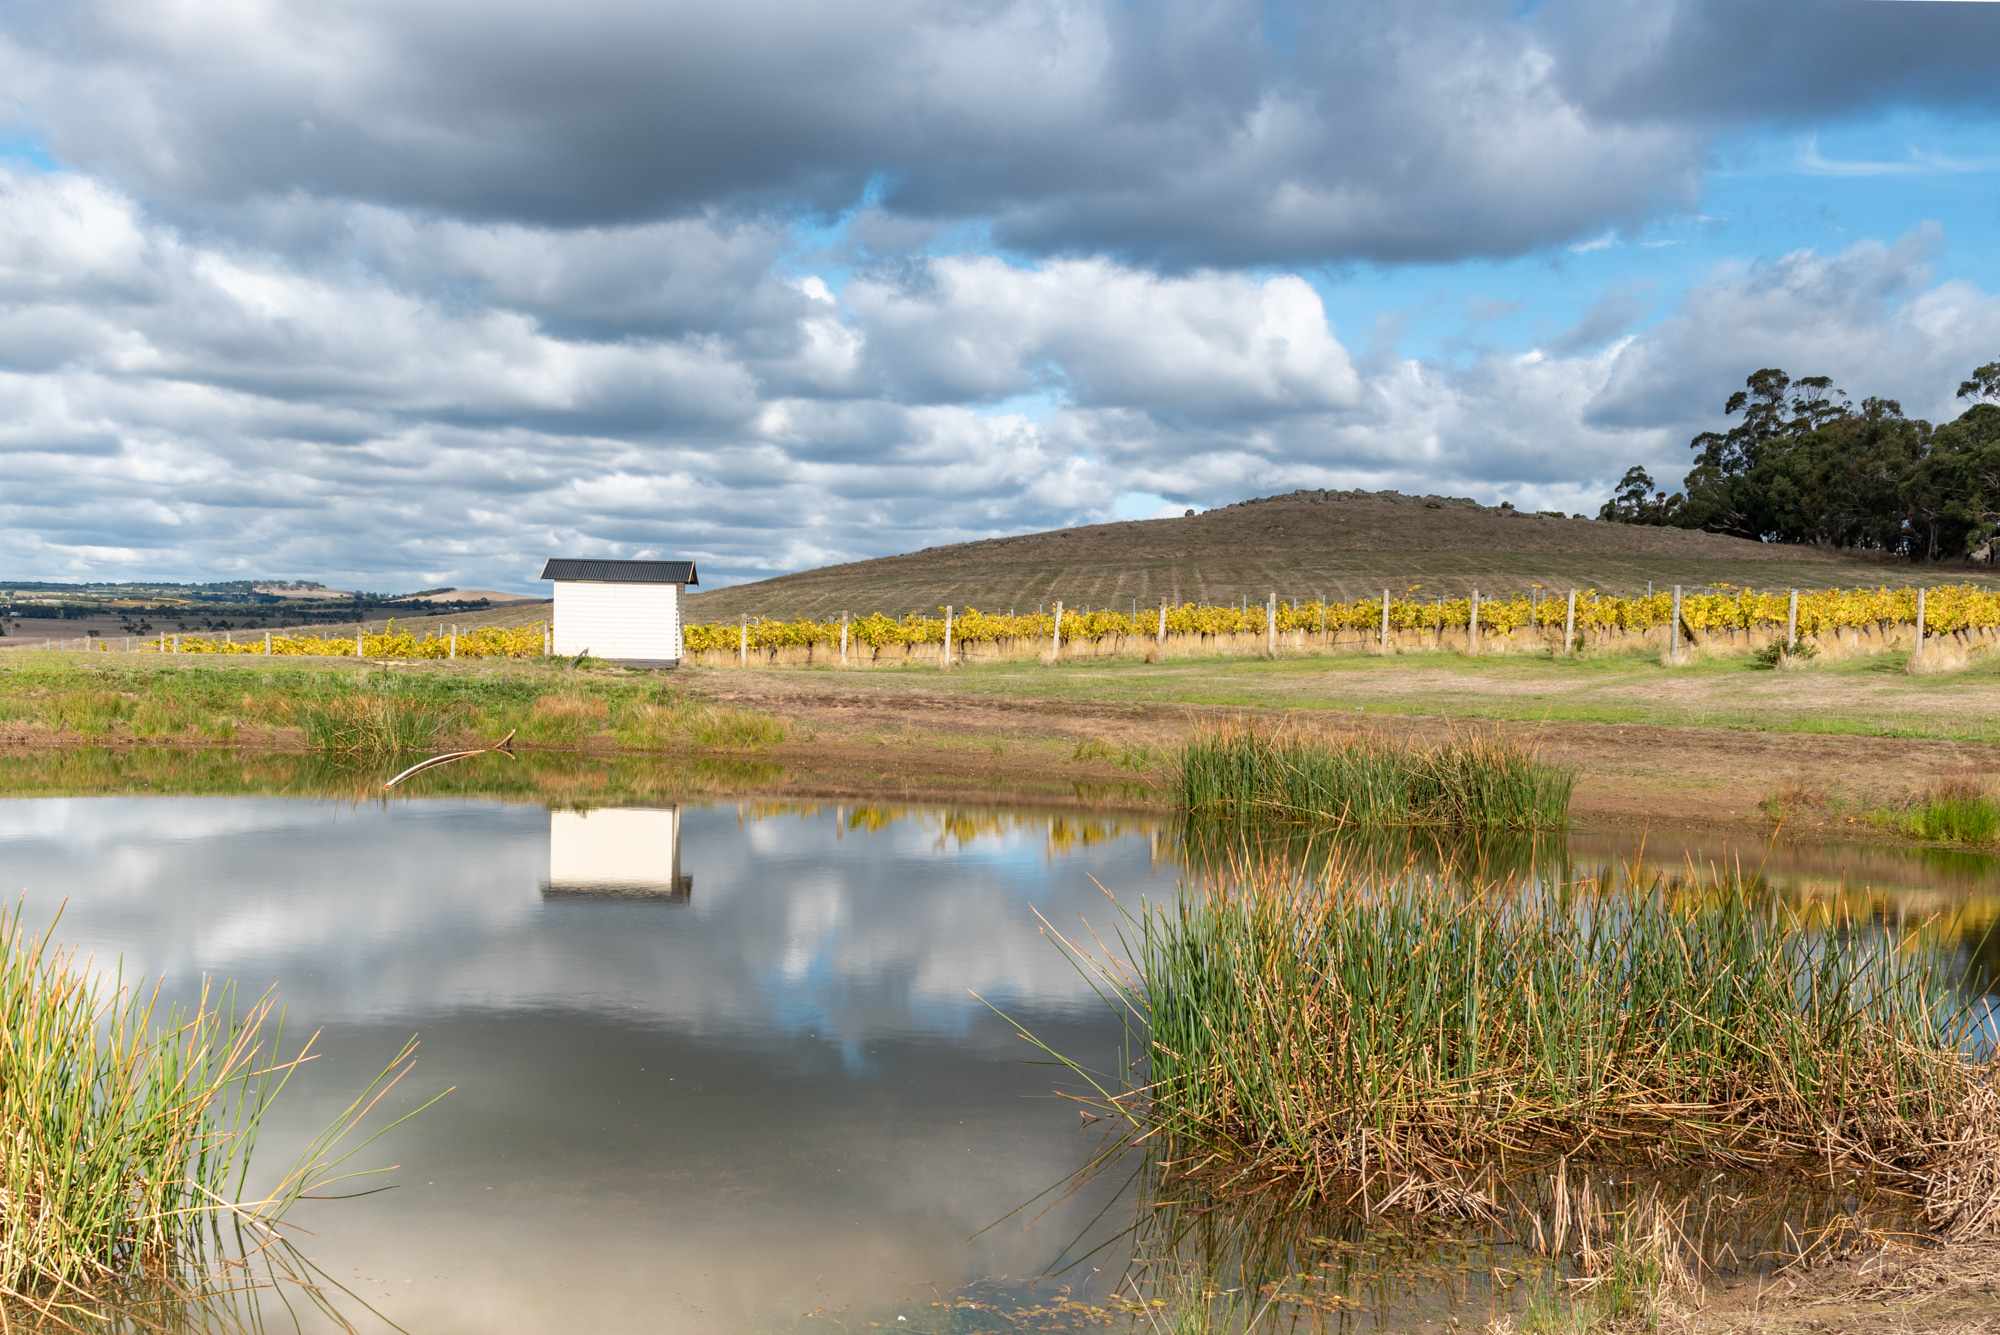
x=504 y=746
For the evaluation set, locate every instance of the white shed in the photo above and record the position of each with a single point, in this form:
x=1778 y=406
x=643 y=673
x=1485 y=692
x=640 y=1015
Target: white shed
x=631 y=611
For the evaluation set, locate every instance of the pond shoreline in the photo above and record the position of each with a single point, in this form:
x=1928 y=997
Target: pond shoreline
x=1063 y=739
x=1113 y=758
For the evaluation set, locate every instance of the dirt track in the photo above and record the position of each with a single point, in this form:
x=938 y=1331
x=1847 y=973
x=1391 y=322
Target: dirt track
x=914 y=745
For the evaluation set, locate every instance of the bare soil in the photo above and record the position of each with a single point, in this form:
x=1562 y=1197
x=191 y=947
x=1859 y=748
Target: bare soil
x=1919 y=1291
x=916 y=745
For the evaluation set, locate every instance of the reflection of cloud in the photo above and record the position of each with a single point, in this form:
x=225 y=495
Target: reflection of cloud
x=777 y=1096
x=418 y=909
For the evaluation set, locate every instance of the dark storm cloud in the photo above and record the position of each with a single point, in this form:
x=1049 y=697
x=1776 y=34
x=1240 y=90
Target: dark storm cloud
x=1179 y=132
x=1727 y=62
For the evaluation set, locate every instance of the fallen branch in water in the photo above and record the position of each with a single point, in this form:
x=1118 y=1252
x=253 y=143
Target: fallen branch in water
x=505 y=746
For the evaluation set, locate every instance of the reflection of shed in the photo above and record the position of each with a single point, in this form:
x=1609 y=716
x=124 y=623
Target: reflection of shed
x=630 y=852
x=631 y=611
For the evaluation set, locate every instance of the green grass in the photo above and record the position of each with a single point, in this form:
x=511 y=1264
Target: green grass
x=129 y=1135
x=1359 y=1034
x=363 y=710
x=1368 y=779
x=368 y=723
x=1855 y=696
x=1958 y=812
x=554 y=778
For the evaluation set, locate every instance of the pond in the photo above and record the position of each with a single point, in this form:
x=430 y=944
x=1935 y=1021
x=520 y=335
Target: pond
x=715 y=1064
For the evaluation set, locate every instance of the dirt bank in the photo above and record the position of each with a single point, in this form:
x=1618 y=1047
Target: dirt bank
x=914 y=745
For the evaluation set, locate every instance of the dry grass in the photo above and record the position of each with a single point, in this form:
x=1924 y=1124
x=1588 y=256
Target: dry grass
x=1944 y=656
x=566 y=716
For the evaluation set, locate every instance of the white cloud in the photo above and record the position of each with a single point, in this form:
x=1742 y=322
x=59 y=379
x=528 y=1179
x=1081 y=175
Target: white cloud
x=447 y=403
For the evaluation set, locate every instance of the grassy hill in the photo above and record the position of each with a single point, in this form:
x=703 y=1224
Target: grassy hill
x=1336 y=543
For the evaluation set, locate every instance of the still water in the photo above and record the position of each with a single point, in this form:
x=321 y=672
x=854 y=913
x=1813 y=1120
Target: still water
x=715 y=1066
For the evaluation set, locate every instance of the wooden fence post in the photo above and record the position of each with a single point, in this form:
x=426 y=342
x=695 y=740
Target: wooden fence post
x=843 y=639
x=1674 y=630
x=1569 y=624
x=743 y=642
x=1161 y=638
x=1385 y=621
x=947 y=638
x=1472 y=626
x=1918 y=656
x=1055 y=640
x=1792 y=622
x=1271 y=626
x=267 y=644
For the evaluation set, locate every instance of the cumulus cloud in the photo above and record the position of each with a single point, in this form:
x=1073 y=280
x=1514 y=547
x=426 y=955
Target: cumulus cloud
x=1183 y=132
x=412 y=400
x=1728 y=62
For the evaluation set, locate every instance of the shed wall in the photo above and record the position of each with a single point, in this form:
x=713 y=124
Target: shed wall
x=619 y=620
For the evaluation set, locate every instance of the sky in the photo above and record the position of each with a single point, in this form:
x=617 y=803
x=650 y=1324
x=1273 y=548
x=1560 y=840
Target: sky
x=397 y=294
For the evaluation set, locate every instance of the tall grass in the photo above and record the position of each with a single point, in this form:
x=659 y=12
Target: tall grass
x=363 y=723
x=1372 y=779
x=1955 y=812
x=127 y=1134
x=1401 y=1037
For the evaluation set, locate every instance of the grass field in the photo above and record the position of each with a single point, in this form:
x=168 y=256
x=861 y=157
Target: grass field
x=357 y=707
x=1863 y=695
x=207 y=698
x=1344 y=545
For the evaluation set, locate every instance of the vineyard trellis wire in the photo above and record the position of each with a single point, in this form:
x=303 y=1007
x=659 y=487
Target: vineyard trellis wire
x=1719 y=608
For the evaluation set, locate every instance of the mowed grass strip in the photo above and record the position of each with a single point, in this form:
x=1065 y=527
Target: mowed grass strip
x=1857 y=696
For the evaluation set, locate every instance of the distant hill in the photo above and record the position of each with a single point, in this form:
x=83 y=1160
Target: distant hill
x=1342 y=544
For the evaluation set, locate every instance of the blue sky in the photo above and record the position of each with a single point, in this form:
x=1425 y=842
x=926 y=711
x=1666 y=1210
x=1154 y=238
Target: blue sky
x=330 y=291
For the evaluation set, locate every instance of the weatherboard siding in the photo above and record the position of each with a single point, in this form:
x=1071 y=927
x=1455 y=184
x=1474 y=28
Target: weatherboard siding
x=619 y=620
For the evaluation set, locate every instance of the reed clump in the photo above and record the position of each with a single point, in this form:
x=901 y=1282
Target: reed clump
x=681 y=721
x=367 y=724
x=1397 y=1038
x=1300 y=773
x=125 y=1136
x=1958 y=811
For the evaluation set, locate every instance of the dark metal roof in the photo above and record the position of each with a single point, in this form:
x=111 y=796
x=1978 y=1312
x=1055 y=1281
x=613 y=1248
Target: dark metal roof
x=620 y=572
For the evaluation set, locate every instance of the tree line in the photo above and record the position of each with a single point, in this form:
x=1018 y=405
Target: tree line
x=1806 y=465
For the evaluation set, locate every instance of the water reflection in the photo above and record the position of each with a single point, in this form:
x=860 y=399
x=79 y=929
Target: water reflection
x=617 y=852
x=785 y=1093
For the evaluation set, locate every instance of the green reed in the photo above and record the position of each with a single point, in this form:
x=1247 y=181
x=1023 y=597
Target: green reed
x=366 y=723
x=1372 y=779
x=1959 y=813
x=1400 y=1032
x=127 y=1135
